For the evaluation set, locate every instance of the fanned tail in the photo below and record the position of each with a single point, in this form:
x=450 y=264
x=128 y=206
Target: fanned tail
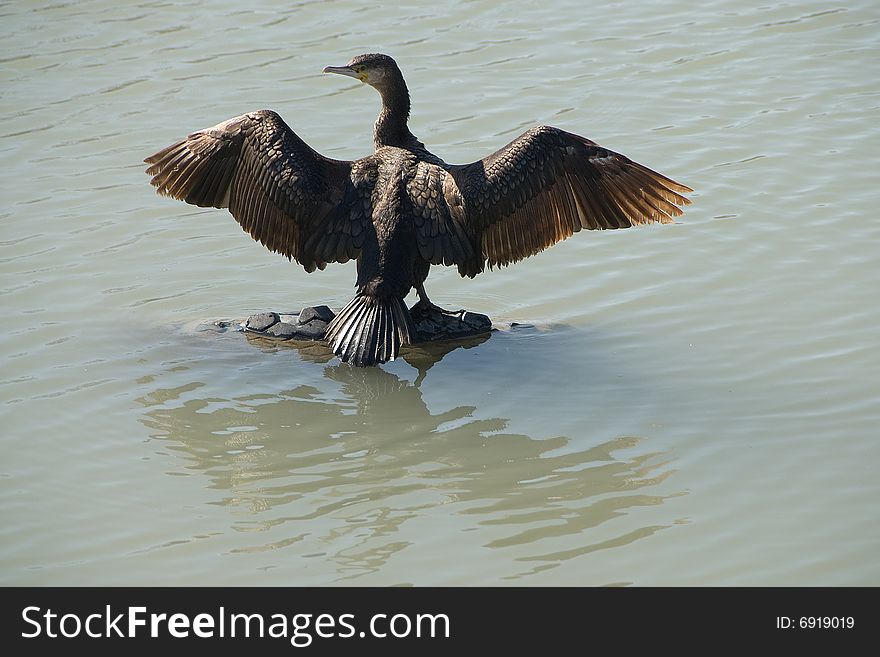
x=370 y=330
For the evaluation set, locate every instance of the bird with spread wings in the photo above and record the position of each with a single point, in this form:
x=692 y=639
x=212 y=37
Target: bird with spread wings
x=402 y=209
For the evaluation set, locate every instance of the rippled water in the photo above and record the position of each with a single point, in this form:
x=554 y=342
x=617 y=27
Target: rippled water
x=693 y=404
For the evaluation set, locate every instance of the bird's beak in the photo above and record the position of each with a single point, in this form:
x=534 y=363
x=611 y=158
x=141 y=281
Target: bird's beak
x=345 y=70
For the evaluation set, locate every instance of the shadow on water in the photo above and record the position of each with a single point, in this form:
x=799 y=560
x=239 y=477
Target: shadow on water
x=355 y=468
x=422 y=356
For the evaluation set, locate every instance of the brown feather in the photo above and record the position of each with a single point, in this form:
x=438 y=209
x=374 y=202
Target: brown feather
x=278 y=189
x=540 y=189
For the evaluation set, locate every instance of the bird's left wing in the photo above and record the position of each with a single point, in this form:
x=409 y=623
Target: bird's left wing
x=543 y=187
x=284 y=194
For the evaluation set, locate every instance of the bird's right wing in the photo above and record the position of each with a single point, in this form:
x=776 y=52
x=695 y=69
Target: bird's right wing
x=284 y=194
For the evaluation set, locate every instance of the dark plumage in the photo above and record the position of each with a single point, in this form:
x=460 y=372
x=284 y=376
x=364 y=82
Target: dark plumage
x=403 y=209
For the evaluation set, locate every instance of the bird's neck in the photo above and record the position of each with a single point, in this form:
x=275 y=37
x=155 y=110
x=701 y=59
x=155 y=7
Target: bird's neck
x=391 y=128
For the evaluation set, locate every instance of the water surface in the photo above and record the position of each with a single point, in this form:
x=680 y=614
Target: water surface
x=690 y=404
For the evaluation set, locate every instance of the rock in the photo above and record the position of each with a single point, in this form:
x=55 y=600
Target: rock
x=261 y=321
x=479 y=323
x=433 y=325
x=282 y=330
x=220 y=326
x=310 y=324
x=314 y=330
x=427 y=327
x=322 y=313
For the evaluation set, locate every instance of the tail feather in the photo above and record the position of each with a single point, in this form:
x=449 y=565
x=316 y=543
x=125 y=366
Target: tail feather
x=370 y=330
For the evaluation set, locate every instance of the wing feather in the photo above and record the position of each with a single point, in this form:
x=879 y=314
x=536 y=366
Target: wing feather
x=283 y=193
x=540 y=189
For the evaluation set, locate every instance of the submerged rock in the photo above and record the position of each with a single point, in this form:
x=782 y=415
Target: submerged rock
x=261 y=321
x=322 y=313
x=311 y=324
x=433 y=325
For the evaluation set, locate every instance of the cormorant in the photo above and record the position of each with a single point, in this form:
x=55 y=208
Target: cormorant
x=403 y=209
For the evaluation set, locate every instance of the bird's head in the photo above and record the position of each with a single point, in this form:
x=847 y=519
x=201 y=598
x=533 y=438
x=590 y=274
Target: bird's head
x=374 y=69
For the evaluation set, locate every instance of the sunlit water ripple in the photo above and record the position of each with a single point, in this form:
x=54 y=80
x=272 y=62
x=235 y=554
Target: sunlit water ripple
x=686 y=404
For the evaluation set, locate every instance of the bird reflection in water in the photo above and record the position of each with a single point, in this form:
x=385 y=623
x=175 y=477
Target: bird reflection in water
x=421 y=355
x=357 y=469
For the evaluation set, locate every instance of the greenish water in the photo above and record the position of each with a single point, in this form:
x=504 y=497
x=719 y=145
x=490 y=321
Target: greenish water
x=695 y=404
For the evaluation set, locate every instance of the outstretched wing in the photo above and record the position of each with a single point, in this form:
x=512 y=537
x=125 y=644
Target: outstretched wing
x=287 y=196
x=543 y=187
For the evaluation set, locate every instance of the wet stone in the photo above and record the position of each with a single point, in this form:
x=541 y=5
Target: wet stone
x=433 y=325
x=261 y=321
x=321 y=313
x=282 y=330
x=427 y=326
x=478 y=322
x=314 y=330
x=289 y=326
x=311 y=324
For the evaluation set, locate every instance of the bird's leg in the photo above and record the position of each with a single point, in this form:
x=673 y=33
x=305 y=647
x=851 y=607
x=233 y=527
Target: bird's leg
x=425 y=302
